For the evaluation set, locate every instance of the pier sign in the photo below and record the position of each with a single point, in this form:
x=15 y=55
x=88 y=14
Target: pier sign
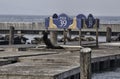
x=62 y=22
x=79 y=20
x=90 y=21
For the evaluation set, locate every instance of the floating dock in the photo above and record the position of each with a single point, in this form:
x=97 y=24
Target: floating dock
x=55 y=63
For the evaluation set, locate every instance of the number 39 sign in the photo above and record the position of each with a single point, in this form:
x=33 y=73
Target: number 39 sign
x=63 y=21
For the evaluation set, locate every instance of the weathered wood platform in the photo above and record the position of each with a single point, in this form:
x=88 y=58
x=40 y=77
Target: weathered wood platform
x=54 y=64
x=37 y=26
x=20 y=47
x=111 y=44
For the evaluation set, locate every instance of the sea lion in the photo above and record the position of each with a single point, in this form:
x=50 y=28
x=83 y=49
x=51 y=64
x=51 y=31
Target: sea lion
x=48 y=43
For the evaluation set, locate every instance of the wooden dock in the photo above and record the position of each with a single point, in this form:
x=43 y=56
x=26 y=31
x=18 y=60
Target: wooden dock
x=20 y=47
x=55 y=64
x=36 y=27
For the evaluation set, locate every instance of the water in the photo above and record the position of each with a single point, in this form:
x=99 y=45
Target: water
x=39 y=18
x=107 y=75
x=31 y=37
x=22 y=18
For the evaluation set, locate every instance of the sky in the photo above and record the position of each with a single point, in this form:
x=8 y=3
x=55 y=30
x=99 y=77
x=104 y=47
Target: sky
x=70 y=7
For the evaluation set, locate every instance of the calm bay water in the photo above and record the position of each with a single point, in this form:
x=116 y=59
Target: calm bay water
x=22 y=18
x=39 y=18
x=31 y=37
x=107 y=75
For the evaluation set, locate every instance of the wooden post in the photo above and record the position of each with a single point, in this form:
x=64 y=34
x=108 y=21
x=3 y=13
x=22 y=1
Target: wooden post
x=69 y=33
x=53 y=37
x=11 y=35
x=80 y=37
x=85 y=63
x=108 y=34
x=65 y=36
x=97 y=26
x=80 y=31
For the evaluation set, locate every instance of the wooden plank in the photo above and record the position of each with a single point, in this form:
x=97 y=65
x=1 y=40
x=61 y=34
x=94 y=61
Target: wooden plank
x=110 y=44
x=64 y=46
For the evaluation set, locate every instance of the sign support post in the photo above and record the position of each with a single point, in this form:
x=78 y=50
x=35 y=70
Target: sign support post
x=80 y=36
x=64 y=33
x=97 y=26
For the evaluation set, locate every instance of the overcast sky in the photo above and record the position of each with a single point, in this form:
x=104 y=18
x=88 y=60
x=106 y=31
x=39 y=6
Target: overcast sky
x=70 y=7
